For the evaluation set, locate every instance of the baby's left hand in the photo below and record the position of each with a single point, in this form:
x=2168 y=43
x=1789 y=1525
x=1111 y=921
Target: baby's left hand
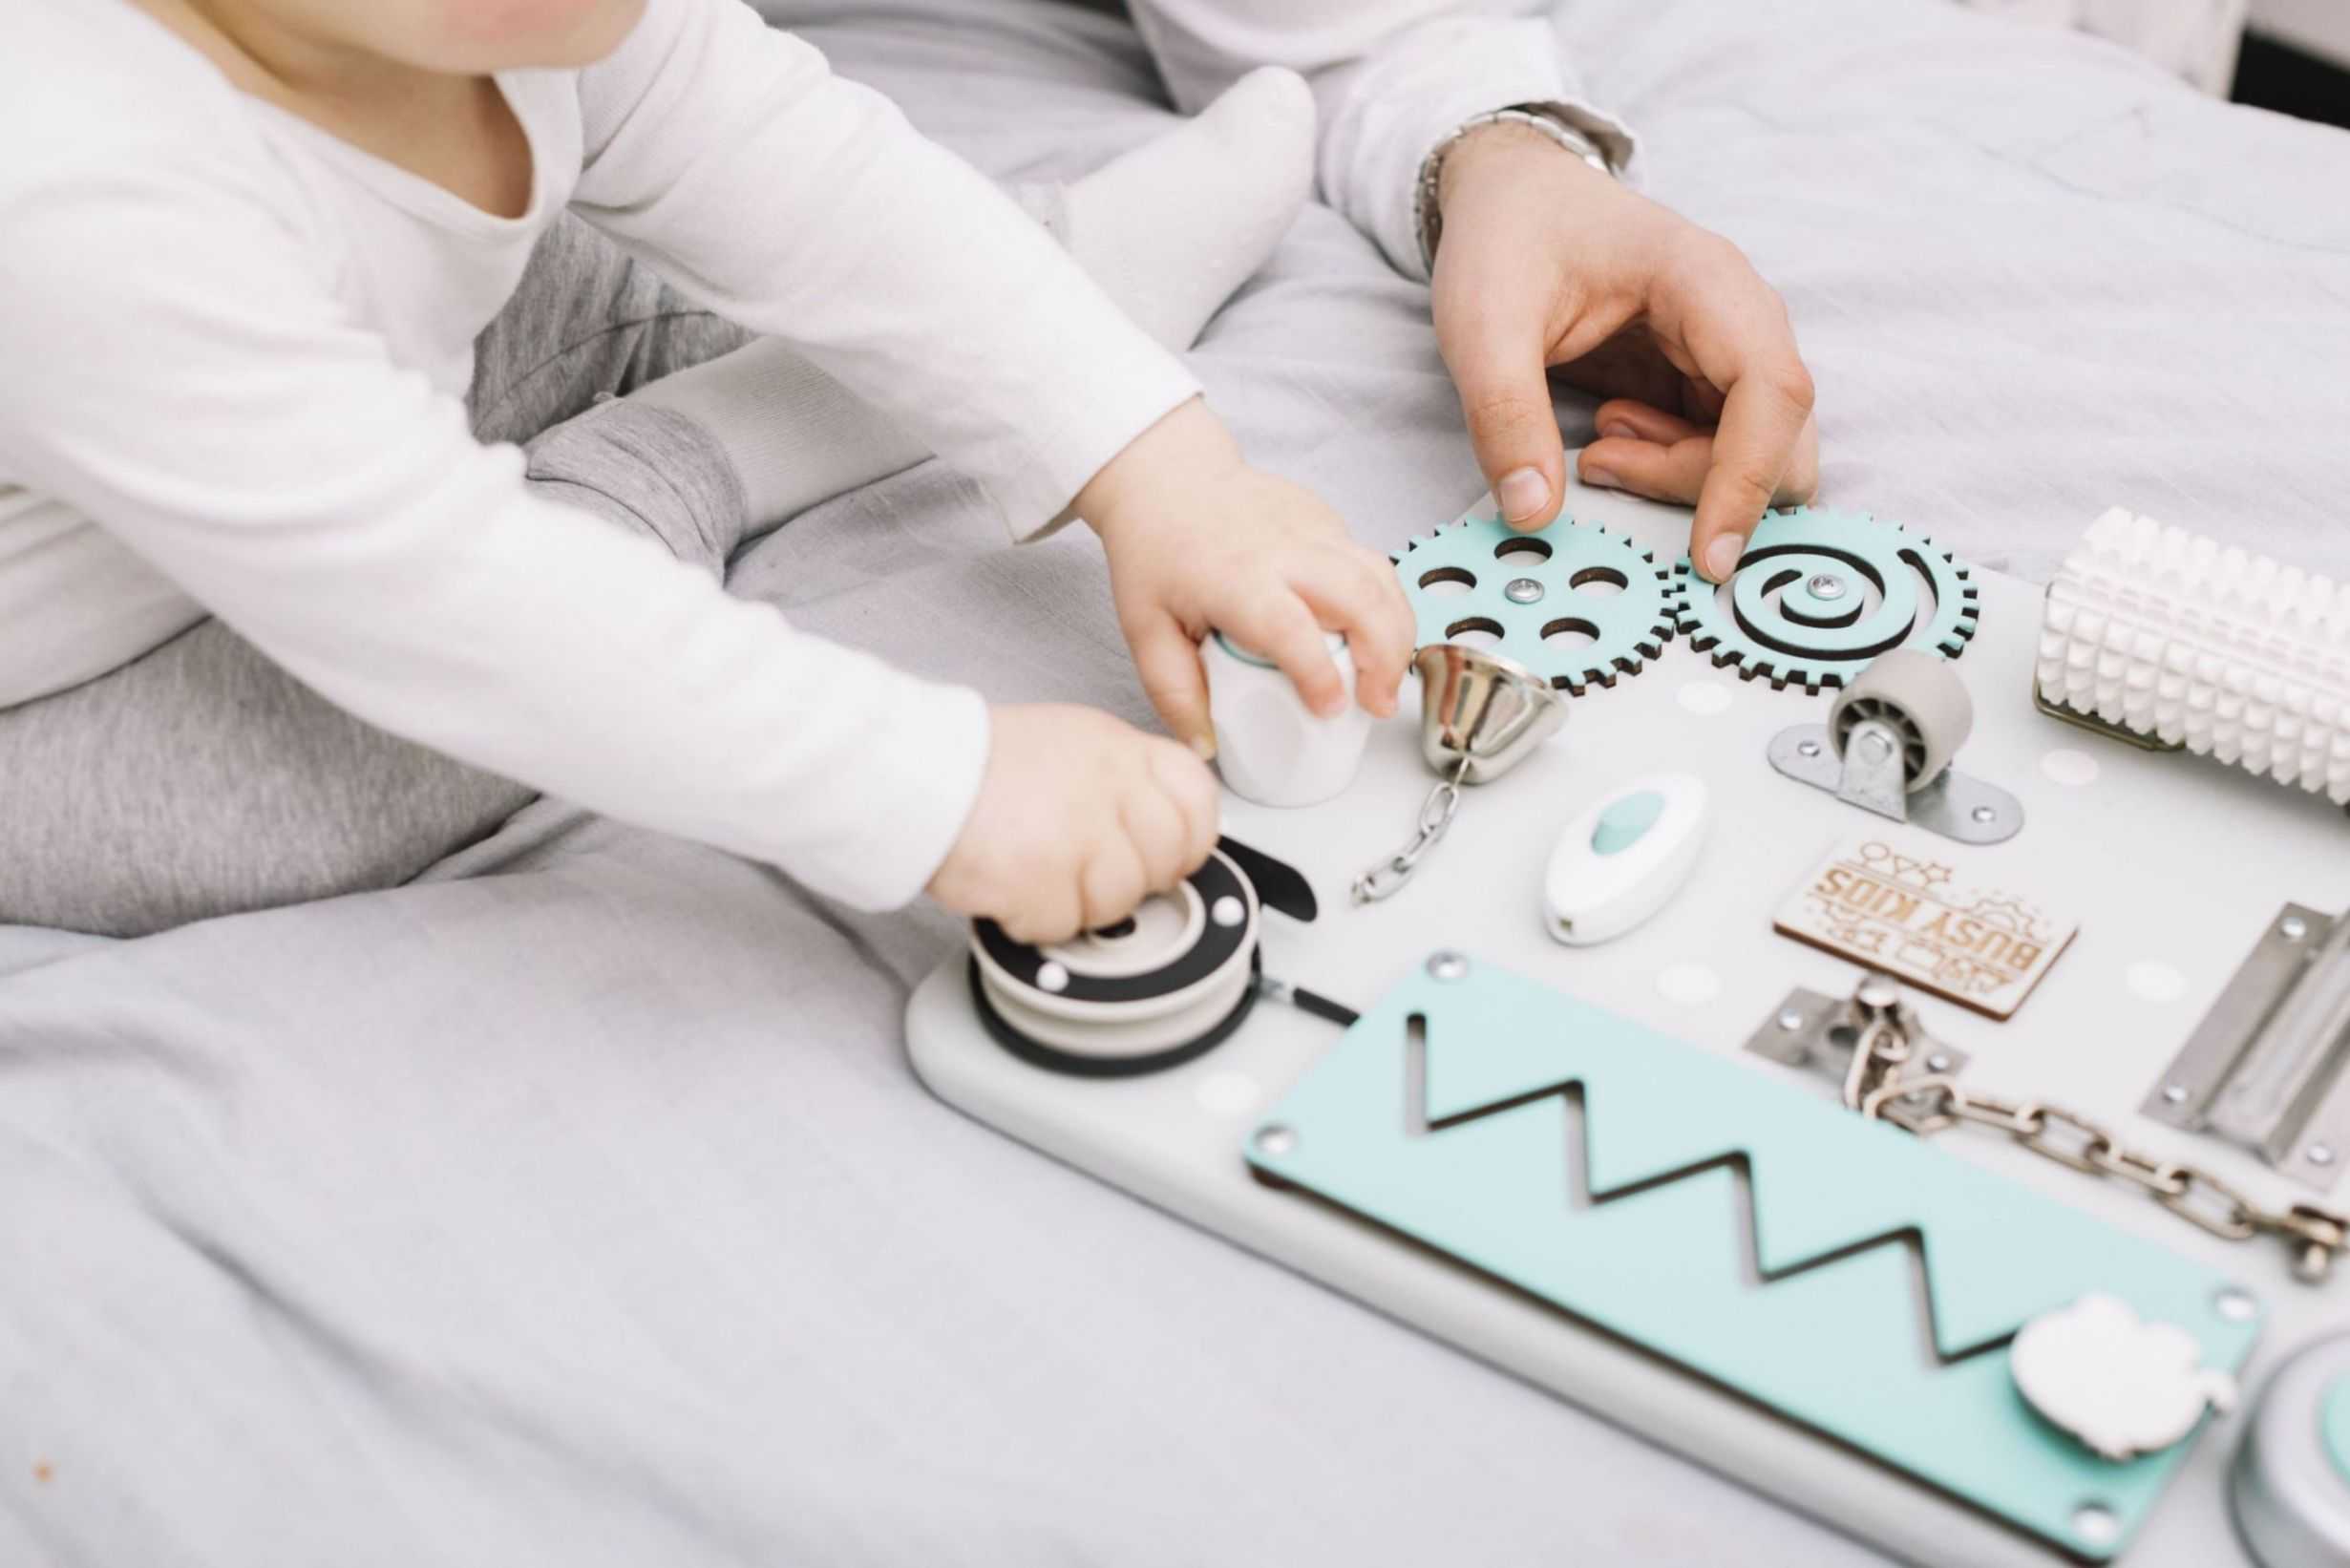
x=1199 y=540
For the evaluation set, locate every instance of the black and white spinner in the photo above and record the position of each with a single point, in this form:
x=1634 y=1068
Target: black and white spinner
x=1163 y=985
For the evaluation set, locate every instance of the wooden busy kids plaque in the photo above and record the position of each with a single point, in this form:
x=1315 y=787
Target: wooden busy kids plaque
x=1898 y=905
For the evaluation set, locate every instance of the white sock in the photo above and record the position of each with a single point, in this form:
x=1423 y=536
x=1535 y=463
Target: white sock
x=1173 y=229
x=1169 y=230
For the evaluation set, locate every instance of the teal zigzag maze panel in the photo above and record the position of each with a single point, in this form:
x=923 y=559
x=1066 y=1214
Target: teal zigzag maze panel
x=1843 y=1273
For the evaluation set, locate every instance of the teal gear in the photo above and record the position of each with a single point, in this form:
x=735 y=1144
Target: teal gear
x=1799 y=608
x=1535 y=591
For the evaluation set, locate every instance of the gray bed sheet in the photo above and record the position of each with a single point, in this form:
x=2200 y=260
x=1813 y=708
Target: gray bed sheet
x=577 y=1205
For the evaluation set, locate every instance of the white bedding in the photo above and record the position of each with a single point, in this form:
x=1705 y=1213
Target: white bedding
x=583 y=1210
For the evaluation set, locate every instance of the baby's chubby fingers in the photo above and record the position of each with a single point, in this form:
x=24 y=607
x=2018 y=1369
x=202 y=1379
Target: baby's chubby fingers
x=1279 y=624
x=1168 y=662
x=1355 y=591
x=1155 y=829
x=1186 y=782
x=1112 y=883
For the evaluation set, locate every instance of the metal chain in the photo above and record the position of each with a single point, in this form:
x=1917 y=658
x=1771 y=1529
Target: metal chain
x=1435 y=816
x=1878 y=1088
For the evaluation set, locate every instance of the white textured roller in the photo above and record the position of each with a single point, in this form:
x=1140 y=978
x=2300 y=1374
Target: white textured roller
x=2193 y=643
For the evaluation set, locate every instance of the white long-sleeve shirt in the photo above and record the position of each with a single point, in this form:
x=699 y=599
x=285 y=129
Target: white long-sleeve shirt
x=233 y=355
x=1391 y=78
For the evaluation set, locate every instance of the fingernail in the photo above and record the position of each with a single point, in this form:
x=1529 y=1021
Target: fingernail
x=1522 y=491
x=1615 y=430
x=1601 y=477
x=1722 y=557
x=1203 y=747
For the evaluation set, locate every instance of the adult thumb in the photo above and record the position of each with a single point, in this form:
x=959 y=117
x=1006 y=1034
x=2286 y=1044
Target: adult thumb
x=1496 y=354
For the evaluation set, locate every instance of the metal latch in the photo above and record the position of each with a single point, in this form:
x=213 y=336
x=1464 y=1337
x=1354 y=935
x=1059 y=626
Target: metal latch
x=2264 y=1069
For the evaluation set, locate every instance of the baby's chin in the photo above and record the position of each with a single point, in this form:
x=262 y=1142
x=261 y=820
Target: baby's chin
x=481 y=36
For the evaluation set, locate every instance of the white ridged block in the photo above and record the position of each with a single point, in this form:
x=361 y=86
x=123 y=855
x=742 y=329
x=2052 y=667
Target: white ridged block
x=2232 y=655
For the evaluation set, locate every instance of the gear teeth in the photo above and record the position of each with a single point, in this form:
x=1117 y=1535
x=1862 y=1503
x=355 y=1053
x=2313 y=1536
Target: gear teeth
x=1841 y=543
x=1628 y=628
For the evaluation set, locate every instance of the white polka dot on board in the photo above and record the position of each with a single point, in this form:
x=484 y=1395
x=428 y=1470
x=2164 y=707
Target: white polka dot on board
x=1691 y=984
x=2065 y=765
x=1052 y=977
x=1704 y=698
x=2151 y=982
x=1228 y=1093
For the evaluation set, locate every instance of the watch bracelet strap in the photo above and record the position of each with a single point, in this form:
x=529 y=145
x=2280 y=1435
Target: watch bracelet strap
x=1427 y=212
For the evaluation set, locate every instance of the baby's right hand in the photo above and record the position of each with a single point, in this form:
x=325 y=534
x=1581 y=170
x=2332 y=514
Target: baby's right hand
x=1079 y=818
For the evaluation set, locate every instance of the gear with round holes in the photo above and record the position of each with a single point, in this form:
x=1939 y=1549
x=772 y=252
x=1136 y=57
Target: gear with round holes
x=1572 y=602
x=1818 y=594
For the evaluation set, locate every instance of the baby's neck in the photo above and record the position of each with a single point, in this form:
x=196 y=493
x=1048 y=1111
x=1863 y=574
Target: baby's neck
x=454 y=131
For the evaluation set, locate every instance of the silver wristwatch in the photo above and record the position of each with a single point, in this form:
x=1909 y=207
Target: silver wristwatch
x=1428 y=214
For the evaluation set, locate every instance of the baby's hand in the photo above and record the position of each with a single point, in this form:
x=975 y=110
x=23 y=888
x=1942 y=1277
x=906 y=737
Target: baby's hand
x=1079 y=816
x=1199 y=540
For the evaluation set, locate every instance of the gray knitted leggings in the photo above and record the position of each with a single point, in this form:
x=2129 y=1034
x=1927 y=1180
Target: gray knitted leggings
x=200 y=779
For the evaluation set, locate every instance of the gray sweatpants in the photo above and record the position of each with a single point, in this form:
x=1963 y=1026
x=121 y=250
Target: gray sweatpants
x=202 y=779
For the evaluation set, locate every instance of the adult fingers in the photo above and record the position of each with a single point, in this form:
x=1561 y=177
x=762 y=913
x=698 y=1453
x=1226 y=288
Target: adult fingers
x=1673 y=471
x=1802 y=481
x=1492 y=305
x=1168 y=661
x=1639 y=421
x=1763 y=420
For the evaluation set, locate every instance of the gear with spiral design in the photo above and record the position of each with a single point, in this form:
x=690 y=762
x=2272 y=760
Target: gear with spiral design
x=1573 y=602
x=1818 y=594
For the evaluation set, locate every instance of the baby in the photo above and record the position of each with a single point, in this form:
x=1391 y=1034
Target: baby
x=280 y=614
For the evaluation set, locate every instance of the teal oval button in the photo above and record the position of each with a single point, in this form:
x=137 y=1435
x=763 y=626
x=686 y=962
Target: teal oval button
x=1621 y=825
x=2334 y=1426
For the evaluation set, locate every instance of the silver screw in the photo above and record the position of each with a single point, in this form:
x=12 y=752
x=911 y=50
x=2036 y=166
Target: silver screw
x=1984 y=814
x=1790 y=1021
x=1826 y=585
x=1876 y=990
x=1521 y=590
x=2293 y=928
x=1937 y=1063
x=1876 y=746
x=1447 y=965
x=1052 y=977
x=2174 y=1093
x=2236 y=1305
x=1276 y=1139
x=2318 y=1153
x=1228 y=911
x=1808 y=748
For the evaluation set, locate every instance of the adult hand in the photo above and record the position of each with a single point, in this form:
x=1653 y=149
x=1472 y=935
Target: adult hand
x=1546 y=261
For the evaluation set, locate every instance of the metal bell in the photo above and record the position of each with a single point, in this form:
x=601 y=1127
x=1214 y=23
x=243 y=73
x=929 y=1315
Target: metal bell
x=1480 y=713
x=1480 y=716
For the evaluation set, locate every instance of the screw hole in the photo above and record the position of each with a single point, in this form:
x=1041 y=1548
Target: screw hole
x=2096 y=1525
